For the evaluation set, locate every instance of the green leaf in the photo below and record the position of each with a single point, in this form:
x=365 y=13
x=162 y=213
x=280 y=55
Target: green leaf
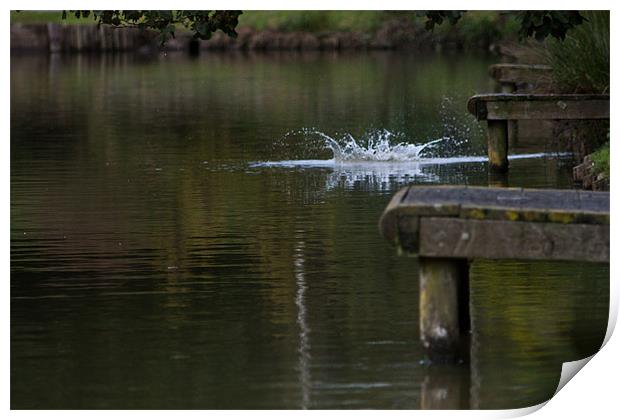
x=202 y=28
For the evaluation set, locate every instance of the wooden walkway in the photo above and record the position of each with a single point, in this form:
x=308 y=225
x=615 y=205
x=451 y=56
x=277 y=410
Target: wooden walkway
x=500 y=223
x=448 y=226
x=500 y=108
x=524 y=77
x=509 y=76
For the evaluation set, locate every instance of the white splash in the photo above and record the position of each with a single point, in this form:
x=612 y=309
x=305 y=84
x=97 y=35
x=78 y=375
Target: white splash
x=382 y=164
x=380 y=151
x=379 y=148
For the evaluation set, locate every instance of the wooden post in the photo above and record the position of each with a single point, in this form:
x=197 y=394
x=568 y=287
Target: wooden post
x=444 y=307
x=500 y=108
x=513 y=130
x=497 y=132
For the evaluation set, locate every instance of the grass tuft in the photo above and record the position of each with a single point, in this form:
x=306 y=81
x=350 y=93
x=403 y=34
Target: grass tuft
x=600 y=159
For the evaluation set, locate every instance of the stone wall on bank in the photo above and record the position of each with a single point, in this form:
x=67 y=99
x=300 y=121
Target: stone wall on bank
x=77 y=38
x=590 y=179
x=52 y=37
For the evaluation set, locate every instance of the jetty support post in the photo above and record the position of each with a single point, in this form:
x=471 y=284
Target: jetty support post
x=513 y=126
x=497 y=133
x=500 y=108
x=447 y=227
x=444 y=308
x=497 y=136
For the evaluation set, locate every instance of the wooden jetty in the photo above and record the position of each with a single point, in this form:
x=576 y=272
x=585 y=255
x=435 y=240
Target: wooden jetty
x=525 y=78
x=510 y=76
x=449 y=226
x=500 y=108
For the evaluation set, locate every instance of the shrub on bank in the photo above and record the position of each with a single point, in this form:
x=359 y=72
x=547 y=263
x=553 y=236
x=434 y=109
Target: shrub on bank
x=475 y=30
x=581 y=62
x=315 y=20
x=600 y=158
x=482 y=28
x=581 y=65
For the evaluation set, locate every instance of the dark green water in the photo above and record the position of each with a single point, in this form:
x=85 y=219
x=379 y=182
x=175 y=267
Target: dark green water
x=153 y=265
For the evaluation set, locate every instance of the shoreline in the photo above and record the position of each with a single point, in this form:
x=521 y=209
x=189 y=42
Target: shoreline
x=393 y=35
x=396 y=34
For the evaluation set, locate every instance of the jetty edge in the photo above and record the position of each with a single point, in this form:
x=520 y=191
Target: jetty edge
x=447 y=227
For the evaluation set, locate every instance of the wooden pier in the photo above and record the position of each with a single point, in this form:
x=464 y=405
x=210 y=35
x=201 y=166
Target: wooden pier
x=522 y=78
x=511 y=76
x=499 y=108
x=449 y=226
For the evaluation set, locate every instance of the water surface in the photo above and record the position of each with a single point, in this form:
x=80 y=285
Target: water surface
x=181 y=237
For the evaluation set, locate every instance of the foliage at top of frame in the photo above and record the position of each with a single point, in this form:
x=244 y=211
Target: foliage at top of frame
x=201 y=22
x=538 y=23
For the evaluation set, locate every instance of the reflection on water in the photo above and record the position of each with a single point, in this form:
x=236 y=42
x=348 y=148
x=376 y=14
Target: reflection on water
x=446 y=388
x=525 y=333
x=386 y=175
x=302 y=323
x=157 y=263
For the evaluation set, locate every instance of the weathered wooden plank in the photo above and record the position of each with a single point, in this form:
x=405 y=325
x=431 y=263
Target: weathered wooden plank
x=536 y=97
x=400 y=216
x=442 y=237
x=551 y=110
x=435 y=194
x=502 y=110
x=520 y=73
x=530 y=199
x=533 y=215
x=538 y=107
x=509 y=198
x=447 y=226
x=401 y=222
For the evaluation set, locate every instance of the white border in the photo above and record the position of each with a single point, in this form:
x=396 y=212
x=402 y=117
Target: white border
x=593 y=393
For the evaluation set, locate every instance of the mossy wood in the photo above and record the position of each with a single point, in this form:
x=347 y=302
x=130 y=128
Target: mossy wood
x=497 y=144
x=448 y=226
x=517 y=106
x=444 y=306
x=500 y=108
x=507 y=73
x=511 y=76
x=499 y=223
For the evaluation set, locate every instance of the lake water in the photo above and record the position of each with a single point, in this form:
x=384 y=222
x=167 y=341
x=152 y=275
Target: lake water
x=181 y=237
